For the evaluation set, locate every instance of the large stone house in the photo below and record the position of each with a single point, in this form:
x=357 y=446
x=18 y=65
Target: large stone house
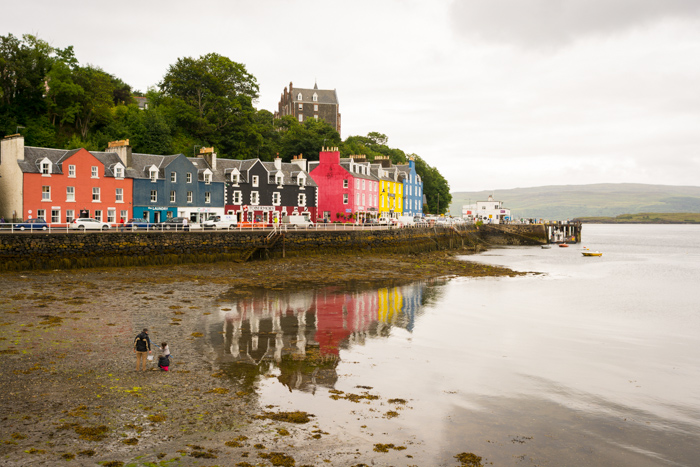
x=320 y=104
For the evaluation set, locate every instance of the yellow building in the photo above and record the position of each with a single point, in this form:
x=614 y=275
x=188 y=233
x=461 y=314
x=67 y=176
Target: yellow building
x=390 y=187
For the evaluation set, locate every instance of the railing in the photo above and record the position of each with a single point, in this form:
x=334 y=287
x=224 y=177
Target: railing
x=23 y=227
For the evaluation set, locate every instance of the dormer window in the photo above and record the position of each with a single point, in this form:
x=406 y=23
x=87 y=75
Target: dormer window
x=315 y=97
x=153 y=173
x=299 y=96
x=118 y=171
x=207 y=178
x=279 y=178
x=301 y=180
x=235 y=178
x=46 y=168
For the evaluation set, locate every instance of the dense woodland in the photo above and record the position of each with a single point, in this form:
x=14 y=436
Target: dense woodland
x=56 y=102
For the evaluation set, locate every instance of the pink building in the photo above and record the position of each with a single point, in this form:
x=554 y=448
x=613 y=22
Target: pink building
x=347 y=190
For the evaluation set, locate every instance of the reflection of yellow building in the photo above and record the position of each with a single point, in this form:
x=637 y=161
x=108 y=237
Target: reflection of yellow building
x=389 y=304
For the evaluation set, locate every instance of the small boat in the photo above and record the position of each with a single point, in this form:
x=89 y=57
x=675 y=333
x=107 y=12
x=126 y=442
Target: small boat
x=592 y=253
x=546 y=247
x=563 y=245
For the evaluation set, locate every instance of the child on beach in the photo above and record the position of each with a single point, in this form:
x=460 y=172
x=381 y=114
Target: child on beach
x=164 y=359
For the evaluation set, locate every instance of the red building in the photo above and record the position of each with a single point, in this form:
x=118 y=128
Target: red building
x=347 y=191
x=59 y=185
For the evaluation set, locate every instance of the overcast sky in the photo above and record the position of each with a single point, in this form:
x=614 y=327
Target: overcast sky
x=495 y=93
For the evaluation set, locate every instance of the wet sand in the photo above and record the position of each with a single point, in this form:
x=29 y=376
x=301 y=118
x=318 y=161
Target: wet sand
x=70 y=390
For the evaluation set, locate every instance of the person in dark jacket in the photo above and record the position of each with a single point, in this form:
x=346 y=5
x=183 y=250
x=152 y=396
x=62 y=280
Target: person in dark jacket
x=142 y=347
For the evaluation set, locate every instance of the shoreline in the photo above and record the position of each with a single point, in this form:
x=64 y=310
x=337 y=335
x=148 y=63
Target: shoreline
x=71 y=391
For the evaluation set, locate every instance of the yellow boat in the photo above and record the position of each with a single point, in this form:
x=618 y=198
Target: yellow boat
x=592 y=253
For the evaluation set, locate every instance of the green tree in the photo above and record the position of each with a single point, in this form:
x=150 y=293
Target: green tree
x=305 y=138
x=95 y=100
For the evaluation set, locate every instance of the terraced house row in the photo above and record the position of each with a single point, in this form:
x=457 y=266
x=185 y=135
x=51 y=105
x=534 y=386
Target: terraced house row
x=60 y=185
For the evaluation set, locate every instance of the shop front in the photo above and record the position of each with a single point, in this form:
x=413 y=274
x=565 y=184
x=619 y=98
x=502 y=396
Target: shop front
x=199 y=215
x=154 y=214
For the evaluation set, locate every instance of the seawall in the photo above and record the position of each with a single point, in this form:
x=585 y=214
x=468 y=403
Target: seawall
x=61 y=250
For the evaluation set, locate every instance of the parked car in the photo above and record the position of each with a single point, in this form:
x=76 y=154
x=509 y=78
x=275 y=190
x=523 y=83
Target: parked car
x=32 y=224
x=297 y=221
x=135 y=224
x=370 y=222
x=179 y=223
x=226 y=221
x=383 y=221
x=88 y=223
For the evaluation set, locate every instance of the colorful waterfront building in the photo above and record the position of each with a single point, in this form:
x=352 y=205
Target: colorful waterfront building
x=390 y=187
x=172 y=185
x=412 y=189
x=348 y=192
x=58 y=185
x=257 y=191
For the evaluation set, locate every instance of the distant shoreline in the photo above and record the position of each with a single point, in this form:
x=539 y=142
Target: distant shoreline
x=645 y=218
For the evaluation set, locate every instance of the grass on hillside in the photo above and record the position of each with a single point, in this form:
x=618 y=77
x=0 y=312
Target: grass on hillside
x=646 y=218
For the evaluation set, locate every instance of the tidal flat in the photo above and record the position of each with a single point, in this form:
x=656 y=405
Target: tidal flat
x=70 y=390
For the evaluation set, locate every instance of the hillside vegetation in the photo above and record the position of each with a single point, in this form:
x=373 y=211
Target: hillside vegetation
x=586 y=201
x=646 y=218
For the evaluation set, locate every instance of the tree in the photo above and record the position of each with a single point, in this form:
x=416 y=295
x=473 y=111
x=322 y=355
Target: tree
x=211 y=98
x=305 y=138
x=95 y=100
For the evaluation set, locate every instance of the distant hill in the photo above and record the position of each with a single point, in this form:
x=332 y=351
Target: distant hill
x=560 y=202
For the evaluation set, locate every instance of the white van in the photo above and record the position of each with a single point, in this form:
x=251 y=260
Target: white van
x=406 y=220
x=297 y=221
x=227 y=221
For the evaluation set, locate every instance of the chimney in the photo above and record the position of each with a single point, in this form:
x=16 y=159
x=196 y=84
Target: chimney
x=122 y=149
x=12 y=148
x=209 y=155
x=300 y=162
x=278 y=162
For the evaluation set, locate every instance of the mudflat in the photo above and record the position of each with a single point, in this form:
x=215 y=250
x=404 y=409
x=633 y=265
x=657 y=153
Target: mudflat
x=71 y=392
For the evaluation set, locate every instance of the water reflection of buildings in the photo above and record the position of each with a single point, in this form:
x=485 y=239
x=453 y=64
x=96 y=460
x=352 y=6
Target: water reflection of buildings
x=301 y=333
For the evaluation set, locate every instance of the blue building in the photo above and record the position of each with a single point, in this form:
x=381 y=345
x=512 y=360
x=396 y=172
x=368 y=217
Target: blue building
x=412 y=189
x=172 y=186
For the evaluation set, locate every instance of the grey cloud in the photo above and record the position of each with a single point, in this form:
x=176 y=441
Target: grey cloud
x=551 y=23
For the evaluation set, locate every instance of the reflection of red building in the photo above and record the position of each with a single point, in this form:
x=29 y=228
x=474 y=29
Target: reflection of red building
x=331 y=324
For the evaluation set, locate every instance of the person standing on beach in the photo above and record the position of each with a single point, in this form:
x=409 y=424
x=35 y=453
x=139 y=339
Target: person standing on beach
x=142 y=347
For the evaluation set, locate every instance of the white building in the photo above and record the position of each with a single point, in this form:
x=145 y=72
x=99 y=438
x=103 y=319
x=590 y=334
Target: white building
x=489 y=211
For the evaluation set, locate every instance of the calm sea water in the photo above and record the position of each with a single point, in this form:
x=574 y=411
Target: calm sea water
x=595 y=361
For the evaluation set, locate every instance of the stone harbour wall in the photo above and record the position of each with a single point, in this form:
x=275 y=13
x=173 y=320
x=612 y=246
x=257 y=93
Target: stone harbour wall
x=61 y=250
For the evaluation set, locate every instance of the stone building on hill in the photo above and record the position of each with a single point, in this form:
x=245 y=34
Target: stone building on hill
x=321 y=104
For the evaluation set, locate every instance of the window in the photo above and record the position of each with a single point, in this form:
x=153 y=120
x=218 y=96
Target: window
x=254 y=197
x=301 y=199
x=316 y=117
x=255 y=180
x=301 y=106
x=207 y=197
x=363 y=198
x=70 y=215
x=326 y=214
x=119 y=195
x=71 y=171
x=357 y=198
x=299 y=96
x=124 y=215
x=301 y=181
x=315 y=107
x=276 y=198
x=173 y=177
x=98 y=215
x=315 y=98
x=55 y=216
x=96 y=194
x=154 y=196
x=236 y=178
x=363 y=183
x=279 y=178
x=345 y=198
x=172 y=196
x=207 y=178
x=153 y=174
x=345 y=183
x=357 y=183
x=46 y=193
x=119 y=172
x=41 y=214
x=301 y=118
x=189 y=177
x=94 y=171
x=189 y=197
x=111 y=216
x=237 y=197
x=46 y=168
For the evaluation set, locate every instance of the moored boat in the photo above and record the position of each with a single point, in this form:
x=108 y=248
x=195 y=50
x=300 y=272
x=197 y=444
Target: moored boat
x=592 y=253
x=563 y=245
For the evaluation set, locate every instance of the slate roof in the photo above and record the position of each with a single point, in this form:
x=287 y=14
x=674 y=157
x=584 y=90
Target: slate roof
x=290 y=173
x=226 y=166
x=325 y=96
x=202 y=165
x=33 y=157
